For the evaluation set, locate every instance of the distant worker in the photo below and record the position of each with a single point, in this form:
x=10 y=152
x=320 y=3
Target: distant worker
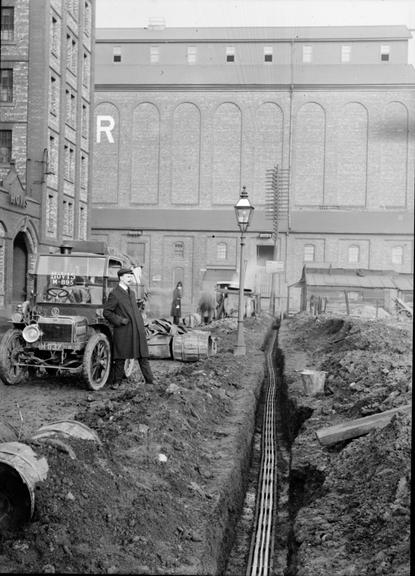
x=206 y=307
x=220 y=305
x=129 y=337
x=176 y=305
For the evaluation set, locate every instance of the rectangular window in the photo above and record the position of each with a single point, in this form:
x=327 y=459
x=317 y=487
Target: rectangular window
x=84 y=171
x=346 y=53
x=67 y=161
x=191 y=54
x=71 y=53
x=85 y=70
x=68 y=51
x=51 y=215
x=87 y=19
x=5 y=146
x=178 y=249
x=385 y=53
x=353 y=254
x=116 y=54
x=54 y=36
x=221 y=251
x=397 y=255
x=267 y=53
x=7 y=24
x=53 y=95
x=73 y=7
x=69 y=156
x=70 y=107
x=71 y=164
x=53 y=154
x=230 y=54
x=309 y=253
x=154 y=54
x=307 y=54
x=84 y=120
x=67 y=218
x=82 y=223
x=6 y=90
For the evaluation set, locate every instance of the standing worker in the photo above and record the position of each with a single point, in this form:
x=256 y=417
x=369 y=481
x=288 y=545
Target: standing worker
x=176 y=305
x=129 y=337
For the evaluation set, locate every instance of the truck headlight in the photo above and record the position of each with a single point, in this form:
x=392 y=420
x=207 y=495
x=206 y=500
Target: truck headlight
x=31 y=333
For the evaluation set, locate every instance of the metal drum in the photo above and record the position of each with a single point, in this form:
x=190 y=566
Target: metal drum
x=20 y=470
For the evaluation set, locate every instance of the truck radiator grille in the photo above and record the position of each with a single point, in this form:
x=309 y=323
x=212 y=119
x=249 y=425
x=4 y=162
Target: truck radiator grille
x=56 y=332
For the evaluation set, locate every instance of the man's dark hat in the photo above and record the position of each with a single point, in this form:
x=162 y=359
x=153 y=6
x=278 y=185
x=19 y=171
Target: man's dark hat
x=123 y=271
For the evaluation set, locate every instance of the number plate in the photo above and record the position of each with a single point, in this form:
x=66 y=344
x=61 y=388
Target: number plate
x=51 y=346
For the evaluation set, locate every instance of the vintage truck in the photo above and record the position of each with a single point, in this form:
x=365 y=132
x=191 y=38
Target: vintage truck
x=61 y=328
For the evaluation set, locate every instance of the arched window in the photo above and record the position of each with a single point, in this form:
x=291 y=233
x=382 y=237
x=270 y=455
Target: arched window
x=221 y=251
x=309 y=253
x=179 y=250
x=397 y=255
x=353 y=254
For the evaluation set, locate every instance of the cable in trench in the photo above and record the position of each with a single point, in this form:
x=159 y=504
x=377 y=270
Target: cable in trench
x=261 y=549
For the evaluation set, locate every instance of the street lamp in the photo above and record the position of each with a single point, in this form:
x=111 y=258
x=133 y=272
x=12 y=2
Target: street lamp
x=243 y=211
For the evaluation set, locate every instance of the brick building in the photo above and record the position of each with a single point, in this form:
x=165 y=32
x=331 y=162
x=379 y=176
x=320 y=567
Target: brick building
x=185 y=117
x=45 y=144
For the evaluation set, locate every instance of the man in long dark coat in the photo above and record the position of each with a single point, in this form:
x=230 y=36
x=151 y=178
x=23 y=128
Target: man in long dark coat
x=129 y=337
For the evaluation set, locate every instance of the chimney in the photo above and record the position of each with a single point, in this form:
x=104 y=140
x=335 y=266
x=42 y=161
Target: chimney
x=65 y=249
x=156 y=23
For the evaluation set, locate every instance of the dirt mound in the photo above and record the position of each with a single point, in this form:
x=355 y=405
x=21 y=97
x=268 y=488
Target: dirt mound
x=368 y=363
x=362 y=525
x=144 y=500
x=351 y=501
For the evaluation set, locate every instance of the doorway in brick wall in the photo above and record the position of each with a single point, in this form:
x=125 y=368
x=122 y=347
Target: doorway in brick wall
x=20 y=266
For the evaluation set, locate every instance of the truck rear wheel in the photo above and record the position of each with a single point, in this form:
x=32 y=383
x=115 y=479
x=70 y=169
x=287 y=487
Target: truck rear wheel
x=11 y=345
x=97 y=361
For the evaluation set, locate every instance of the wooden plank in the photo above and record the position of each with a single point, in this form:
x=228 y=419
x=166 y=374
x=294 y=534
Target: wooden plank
x=354 y=428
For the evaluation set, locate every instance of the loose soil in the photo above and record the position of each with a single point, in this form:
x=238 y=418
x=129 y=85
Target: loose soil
x=150 y=499
x=350 y=504
x=155 y=496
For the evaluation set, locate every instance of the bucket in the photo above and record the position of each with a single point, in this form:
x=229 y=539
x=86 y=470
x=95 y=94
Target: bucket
x=66 y=429
x=313 y=381
x=20 y=470
x=193 y=346
x=159 y=346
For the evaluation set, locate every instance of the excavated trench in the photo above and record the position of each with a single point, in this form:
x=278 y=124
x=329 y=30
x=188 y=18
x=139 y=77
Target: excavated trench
x=296 y=487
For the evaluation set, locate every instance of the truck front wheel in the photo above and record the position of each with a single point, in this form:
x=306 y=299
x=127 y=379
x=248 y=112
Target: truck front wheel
x=97 y=361
x=11 y=346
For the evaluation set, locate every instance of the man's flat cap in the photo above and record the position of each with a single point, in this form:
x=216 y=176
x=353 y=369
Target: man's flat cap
x=123 y=271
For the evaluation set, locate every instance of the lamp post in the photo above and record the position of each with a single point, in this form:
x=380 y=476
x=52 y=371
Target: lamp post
x=243 y=212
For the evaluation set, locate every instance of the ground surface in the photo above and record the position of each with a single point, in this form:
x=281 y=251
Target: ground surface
x=150 y=499
x=351 y=502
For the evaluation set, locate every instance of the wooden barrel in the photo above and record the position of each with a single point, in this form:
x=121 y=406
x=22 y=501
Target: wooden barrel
x=192 y=346
x=159 y=346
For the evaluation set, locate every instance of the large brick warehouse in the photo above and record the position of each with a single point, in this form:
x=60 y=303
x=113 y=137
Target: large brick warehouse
x=186 y=117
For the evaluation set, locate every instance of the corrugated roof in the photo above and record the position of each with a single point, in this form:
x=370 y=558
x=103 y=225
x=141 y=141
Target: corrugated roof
x=131 y=77
x=251 y=33
x=325 y=275
x=349 y=280
x=352 y=222
x=404 y=282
